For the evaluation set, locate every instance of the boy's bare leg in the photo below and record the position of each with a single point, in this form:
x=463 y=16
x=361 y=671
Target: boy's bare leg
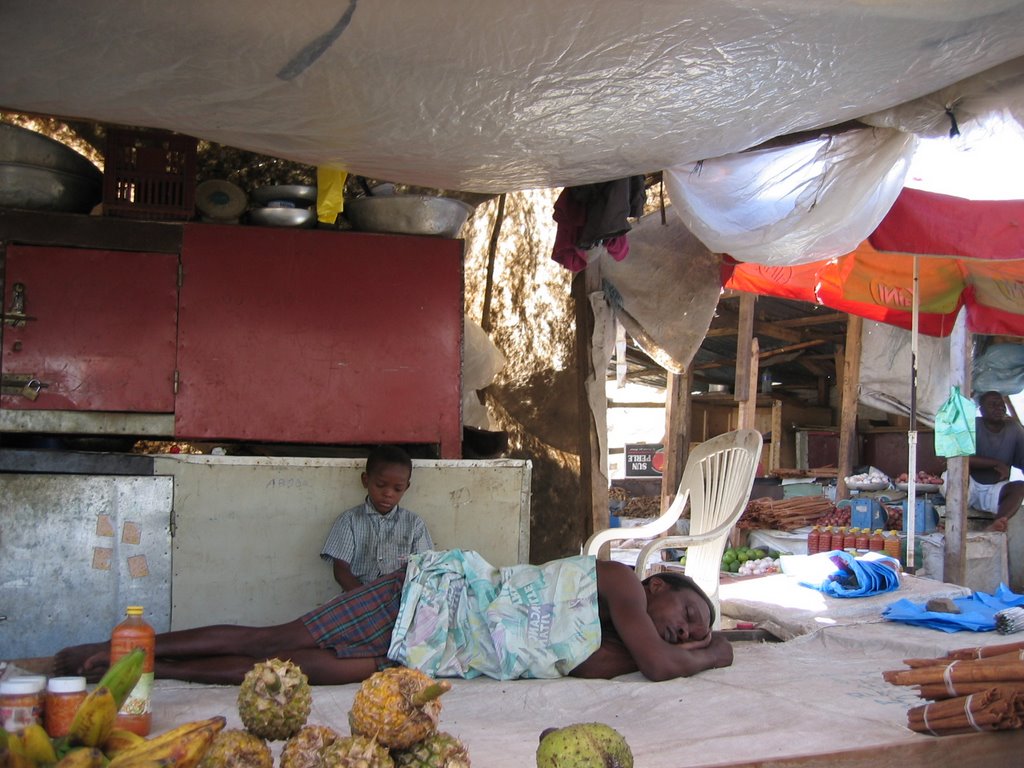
x=224 y=640
x=321 y=666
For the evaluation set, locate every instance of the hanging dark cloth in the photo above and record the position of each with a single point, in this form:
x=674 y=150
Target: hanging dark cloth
x=596 y=214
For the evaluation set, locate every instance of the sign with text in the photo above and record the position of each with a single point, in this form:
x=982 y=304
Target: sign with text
x=644 y=460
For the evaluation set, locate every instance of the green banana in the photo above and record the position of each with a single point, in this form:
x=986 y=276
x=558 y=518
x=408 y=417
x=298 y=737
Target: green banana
x=96 y=716
x=123 y=675
x=181 y=747
x=37 y=744
x=82 y=757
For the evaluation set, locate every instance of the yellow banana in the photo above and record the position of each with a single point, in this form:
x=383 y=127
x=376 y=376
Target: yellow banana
x=82 y=757
x=15 y=744
x=37 y=744
x=181 y=747
x=120 y=740
x=96 y=716
x=11 y=759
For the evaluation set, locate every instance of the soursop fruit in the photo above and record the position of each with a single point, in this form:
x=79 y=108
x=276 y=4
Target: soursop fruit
x=235 y=748
x=583 y=745
x=398 y=706
x=274 y=699
x=357 y=752
x=438 y=750
x=306 y=748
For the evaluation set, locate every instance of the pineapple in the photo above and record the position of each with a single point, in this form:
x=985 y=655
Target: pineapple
x=274 y=699
x=357 y=752
x=305 y=749
x=438 y=750
x=236 y=748
x=398 y=706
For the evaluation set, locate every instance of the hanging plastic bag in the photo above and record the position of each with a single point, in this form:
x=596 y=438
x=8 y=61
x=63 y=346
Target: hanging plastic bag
x=954 y=426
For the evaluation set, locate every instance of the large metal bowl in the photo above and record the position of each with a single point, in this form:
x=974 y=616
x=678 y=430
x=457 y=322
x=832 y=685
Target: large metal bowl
x=39 y=173
x=283 y=217
x=408 y=214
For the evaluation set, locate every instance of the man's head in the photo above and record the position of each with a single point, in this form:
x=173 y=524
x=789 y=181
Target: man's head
x=992 y=406
x=387 y=477
x=678 y=607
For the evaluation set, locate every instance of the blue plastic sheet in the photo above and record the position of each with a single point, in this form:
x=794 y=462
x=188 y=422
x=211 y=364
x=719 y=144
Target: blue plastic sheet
x=977 y=612
x=840 y=574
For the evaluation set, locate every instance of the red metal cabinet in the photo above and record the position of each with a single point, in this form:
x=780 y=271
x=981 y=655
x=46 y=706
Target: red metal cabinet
x=319 y=337
x=100 y=329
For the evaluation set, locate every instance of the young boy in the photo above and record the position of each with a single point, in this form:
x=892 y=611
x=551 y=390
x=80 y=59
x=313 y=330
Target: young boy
x=377 y=537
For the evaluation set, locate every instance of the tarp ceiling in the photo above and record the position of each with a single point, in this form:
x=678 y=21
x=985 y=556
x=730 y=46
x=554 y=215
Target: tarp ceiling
x=491 y=97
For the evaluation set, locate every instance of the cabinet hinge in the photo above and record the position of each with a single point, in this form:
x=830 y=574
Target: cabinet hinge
x=176 y=380
x=173 y=523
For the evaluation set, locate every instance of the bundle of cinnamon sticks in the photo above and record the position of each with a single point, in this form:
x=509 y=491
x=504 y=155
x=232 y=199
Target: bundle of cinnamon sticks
x=970 y=689
x=784 y=514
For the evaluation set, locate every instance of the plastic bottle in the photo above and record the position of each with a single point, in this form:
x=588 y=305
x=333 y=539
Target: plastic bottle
x=825 y=539
x=862 y=539
x=136 y=715
x=63 y=695
x=813 y=540
x=891 y=546
x=877 y=541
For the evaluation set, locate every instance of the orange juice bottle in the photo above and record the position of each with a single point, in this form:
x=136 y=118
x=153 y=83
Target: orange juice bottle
x=136 y=714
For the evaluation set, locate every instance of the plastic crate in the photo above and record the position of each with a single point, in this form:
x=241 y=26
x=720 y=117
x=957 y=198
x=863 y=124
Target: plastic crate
x=149 y=174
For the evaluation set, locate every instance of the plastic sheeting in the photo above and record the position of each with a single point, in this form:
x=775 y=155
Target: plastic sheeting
x=490 y=97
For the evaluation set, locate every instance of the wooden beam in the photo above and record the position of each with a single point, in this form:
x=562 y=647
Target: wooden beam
x=593 y=500
x=954 y=565
x=677 y=434
x=815 y=319
x=848 y=407
x=761 y=328
x=744 y=333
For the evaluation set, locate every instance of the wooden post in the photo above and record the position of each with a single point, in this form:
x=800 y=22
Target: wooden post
x=954 y=566
x=593 y=505
x=744 y=335
x=848 y=406
x=748 y=405
x=677 y=433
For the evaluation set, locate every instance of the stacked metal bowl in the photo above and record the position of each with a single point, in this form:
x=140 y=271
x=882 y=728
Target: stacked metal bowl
x=39 y=173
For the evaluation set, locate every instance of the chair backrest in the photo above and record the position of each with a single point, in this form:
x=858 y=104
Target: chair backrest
x=715 y=472
x=718 y=479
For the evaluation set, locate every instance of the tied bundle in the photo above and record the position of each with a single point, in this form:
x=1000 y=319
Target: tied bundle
x=970 y=689
x=784 y=514
x=1010 y=620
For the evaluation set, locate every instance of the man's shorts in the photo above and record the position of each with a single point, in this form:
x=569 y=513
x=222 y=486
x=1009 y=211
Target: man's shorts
x=357 y=624
x=984 y=497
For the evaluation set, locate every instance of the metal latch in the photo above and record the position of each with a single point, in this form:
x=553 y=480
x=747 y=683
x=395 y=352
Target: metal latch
x=24 y=384
x=16 y=317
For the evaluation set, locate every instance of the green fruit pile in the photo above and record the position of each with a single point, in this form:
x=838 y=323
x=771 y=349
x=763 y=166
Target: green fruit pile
x=734 y=557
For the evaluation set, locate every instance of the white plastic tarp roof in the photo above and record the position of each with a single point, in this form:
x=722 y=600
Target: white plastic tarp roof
x=494 y=97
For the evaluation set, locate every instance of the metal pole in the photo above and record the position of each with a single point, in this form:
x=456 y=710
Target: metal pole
x=911 y=516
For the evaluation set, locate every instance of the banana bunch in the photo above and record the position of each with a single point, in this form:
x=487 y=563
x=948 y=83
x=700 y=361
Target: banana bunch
x=181 y=747
x=97 y=715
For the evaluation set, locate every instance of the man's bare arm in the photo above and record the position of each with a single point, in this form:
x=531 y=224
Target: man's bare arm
x=654 y=656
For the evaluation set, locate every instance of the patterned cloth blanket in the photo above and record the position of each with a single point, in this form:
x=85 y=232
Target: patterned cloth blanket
x=462 y=617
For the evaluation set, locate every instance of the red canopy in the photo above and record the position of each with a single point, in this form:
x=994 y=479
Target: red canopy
x=971 y=253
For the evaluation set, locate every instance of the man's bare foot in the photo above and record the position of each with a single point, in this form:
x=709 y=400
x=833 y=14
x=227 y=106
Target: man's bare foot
x=91 y=660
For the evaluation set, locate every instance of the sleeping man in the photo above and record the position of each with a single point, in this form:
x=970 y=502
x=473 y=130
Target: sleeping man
x=451 y=614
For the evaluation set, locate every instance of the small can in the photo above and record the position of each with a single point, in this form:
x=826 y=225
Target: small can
x=63 y=695
x=21 y=702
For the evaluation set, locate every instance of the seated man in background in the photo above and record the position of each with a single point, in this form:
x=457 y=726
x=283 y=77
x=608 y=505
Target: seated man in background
x=611 y=624
x=1000 y=446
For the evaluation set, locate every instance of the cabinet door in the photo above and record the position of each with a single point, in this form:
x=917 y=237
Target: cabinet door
x=99 y=332
x=320 y=337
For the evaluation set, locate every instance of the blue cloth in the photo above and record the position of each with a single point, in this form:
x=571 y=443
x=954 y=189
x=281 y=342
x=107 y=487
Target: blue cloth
x=977 y=612
x=840 y=574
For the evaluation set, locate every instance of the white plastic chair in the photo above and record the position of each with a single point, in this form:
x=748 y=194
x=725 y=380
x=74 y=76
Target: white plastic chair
x=717 y=481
